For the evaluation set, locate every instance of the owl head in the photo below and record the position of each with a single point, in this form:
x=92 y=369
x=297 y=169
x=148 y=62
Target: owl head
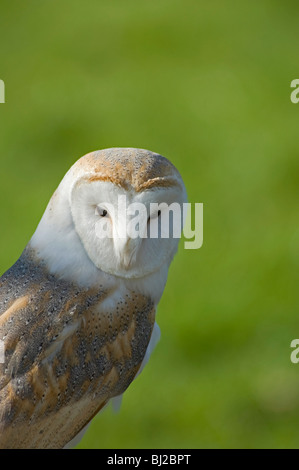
x=88 y=225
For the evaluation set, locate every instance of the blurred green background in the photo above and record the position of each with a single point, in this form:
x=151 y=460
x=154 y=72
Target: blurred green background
x=206 y=84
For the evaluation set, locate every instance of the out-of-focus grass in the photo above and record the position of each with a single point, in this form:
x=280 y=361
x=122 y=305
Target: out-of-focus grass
x=207 y=84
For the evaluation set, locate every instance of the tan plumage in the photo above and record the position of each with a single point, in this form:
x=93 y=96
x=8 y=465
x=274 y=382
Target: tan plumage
x=75 y=335
x=138 y=168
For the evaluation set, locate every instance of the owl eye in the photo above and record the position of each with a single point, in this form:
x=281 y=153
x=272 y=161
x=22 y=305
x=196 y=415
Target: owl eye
x=102 y=212
x=154 y=216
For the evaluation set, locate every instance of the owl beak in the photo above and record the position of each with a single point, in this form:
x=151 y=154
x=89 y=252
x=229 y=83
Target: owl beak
x=127 y=249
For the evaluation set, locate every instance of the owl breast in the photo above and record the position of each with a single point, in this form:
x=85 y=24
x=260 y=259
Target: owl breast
x=68 y=351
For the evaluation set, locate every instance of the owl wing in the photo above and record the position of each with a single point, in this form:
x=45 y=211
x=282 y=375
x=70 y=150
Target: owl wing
x=66 y=355
x=116 y=401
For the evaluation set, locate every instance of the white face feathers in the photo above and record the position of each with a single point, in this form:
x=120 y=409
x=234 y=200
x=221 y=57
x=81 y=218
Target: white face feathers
x=104 y=216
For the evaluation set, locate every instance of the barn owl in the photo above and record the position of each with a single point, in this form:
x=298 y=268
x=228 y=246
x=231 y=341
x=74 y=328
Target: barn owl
x=77 y=312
